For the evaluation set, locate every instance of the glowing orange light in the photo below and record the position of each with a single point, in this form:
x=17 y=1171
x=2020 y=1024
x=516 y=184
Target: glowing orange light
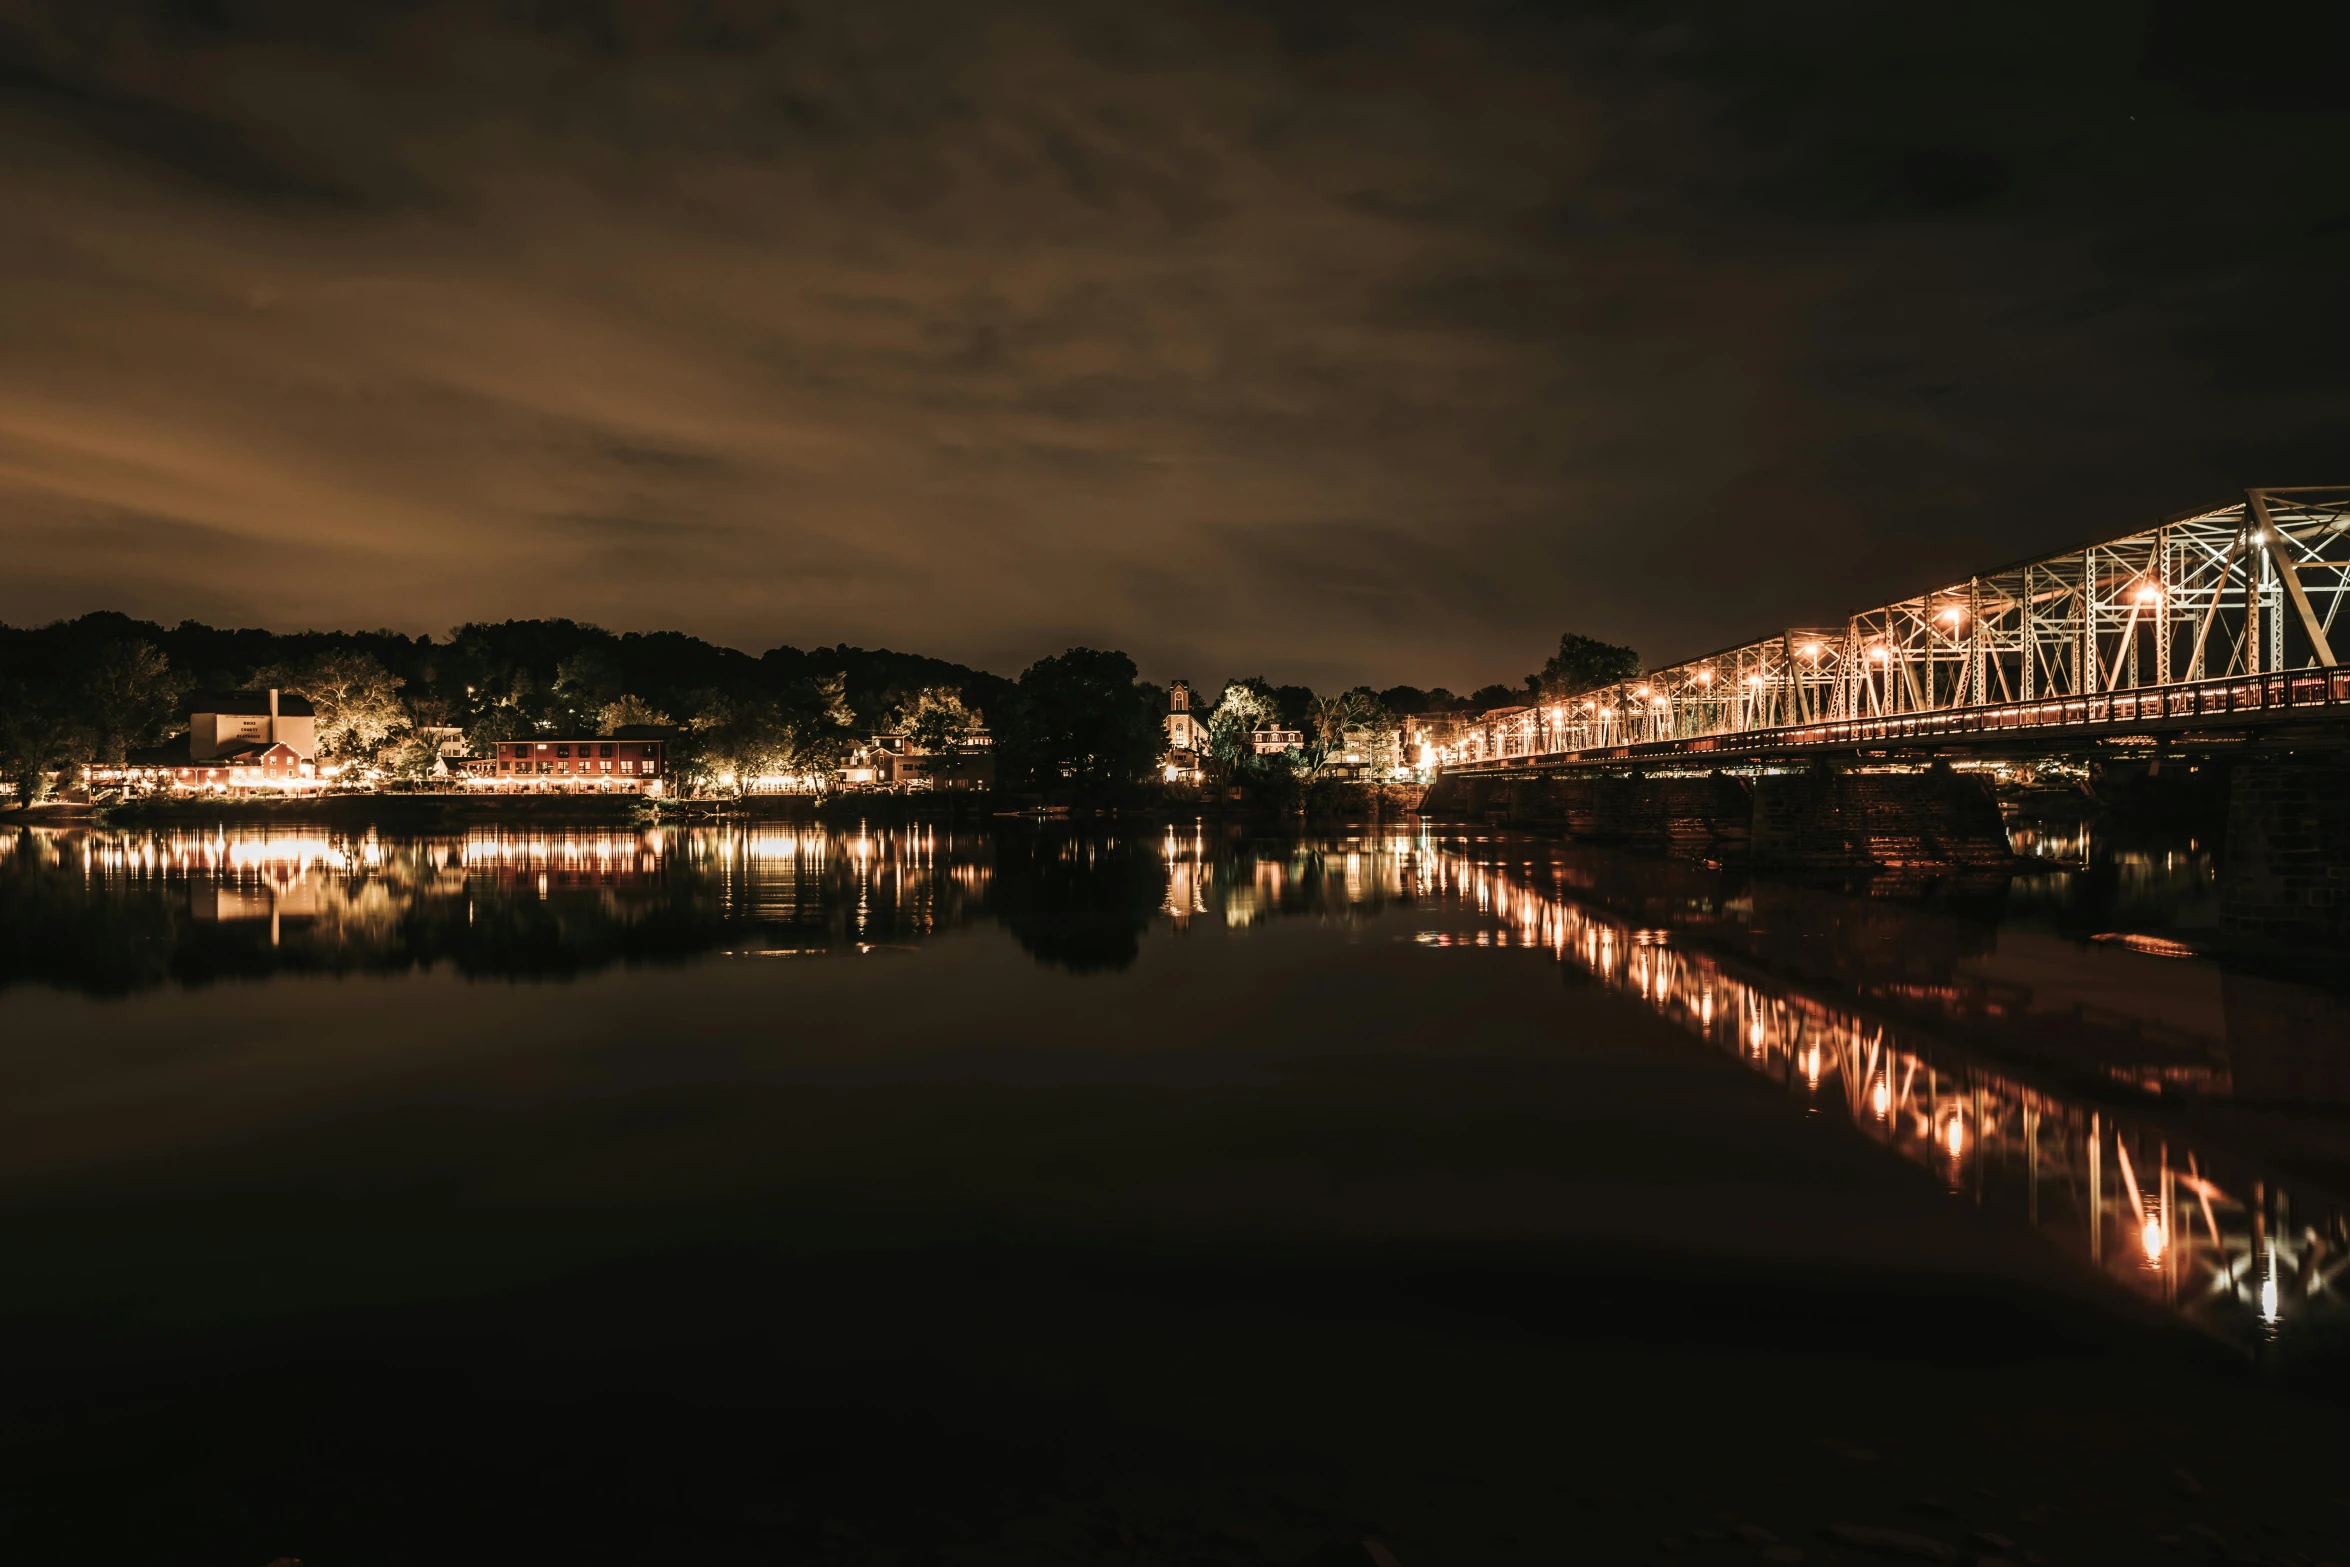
x=1705 y=677
x=1876 y=653
x=1954 y=1137
x=2148 y=592
x=1881 y=1098
x=2152 y=1238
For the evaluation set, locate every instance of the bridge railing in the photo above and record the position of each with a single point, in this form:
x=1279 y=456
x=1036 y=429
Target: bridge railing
x=2115 y=713
x=2238 y=596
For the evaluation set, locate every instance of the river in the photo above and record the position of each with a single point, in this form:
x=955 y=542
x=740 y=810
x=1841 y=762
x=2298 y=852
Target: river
x=1029 y=1193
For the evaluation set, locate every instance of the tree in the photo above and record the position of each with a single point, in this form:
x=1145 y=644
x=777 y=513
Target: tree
x=626 y=711
x=1084 y=718
x=1371 y=729
x=936 y=720
x=1326 y=724
x=1582 y=664
x=130 y=698
x=1245 y=707
x=738 y=737
x=586 y=683
x=1486 y=698
x=38 y=736
x=357 y=700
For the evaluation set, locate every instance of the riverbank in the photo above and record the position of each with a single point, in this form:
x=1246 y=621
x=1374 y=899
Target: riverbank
x=429 y=810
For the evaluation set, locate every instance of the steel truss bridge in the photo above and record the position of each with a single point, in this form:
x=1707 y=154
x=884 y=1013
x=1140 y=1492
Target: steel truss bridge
x=2219 y=620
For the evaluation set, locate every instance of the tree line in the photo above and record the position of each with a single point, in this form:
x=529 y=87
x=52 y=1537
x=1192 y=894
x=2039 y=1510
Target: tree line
x=104 y=685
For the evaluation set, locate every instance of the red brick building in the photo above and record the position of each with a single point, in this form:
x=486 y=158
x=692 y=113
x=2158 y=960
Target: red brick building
x=600 y=766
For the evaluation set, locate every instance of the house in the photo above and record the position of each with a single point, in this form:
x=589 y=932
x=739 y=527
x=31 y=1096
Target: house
x=1187 y=737
x=221 y=722
x=1276 y=741
x=629 y=761
x=895 y=762
x=238 y=741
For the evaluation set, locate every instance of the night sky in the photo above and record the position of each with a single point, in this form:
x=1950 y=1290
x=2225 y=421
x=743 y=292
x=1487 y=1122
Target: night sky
x=1334 y=342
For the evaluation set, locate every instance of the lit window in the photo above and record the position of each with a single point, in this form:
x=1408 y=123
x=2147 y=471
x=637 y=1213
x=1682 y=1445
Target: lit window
x=627 y=766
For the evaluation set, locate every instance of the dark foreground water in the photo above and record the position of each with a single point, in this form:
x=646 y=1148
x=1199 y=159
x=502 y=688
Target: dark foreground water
x=774 y=1196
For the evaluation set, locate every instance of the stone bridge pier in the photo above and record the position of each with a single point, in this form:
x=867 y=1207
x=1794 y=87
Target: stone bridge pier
x=2284 y=877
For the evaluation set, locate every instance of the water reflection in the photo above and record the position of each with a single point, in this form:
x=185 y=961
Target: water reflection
x=2039 y=1074
x=2219 y=1238
x=113 y=912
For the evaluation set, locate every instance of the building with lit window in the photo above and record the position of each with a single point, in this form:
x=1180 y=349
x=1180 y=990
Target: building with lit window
x=620 y=764
x=895 y=762
x=238 y=742
x=1187 y=737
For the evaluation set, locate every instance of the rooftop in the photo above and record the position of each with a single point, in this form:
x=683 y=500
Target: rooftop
x=247 y=703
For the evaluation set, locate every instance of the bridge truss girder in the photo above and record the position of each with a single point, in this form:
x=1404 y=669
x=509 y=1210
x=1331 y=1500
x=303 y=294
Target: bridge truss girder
x=2251 y=588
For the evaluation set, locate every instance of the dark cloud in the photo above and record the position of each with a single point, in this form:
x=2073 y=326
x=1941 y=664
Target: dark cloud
x=1338 y=342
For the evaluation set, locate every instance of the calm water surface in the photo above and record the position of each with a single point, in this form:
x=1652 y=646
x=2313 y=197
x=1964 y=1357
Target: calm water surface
x=876 y=1100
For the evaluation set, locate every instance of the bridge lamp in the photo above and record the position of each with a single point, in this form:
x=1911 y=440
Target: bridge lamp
x=2152 y=1238
x=1876 y=652
x=2148 y=592
x=1705 y=677
x=1808 y=650
x=1954 y=1137
x=1662 y=704
x=1951 y=615
x=1643 y=691
x=1754 y=680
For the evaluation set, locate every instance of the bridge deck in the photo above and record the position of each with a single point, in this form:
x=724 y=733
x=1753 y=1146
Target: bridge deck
x=2229 y=711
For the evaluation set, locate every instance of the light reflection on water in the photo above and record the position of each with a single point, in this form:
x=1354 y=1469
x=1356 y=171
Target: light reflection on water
x=2222 y=1240
x=1960 y=1041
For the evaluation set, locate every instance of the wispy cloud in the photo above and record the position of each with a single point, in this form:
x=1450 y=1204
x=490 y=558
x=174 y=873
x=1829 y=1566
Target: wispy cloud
x=1344 y=342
